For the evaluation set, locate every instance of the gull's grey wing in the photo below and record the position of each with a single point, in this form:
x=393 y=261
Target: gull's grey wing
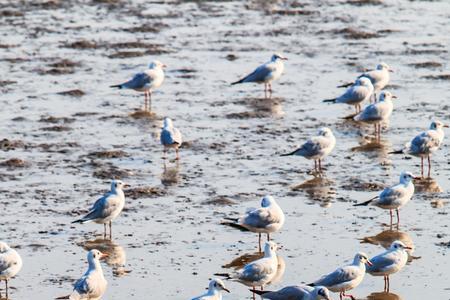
x=82 y=286
x=260 y=74
x=313 y=146
x=103 y=207
x=388 y=195
x=374 y=75
x=260 y=218
x=354 y=94
x=138 y=81
x=371 y=112
x=381 y=262
x=425 y=141
x=170 y=136
x=339 y=276
x=255 y=271
x=288 y=293
x=5 y=263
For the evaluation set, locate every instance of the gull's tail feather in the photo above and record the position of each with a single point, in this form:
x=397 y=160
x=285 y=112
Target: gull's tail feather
x=345 y=85
x=259 y=292
x=63 y=297
x=290 y=153
x=396 y=152
x=365 y=203
x=234 y=225
x=330 y=100
x=116 y=86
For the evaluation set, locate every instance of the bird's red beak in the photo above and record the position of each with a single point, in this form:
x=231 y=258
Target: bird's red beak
x=104 y=255
x=369 y=263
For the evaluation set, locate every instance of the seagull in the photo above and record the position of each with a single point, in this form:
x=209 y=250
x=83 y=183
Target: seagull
x=10 y=264
x=389 y=262
x=297 y=292
x=317 y=147
x=361 y=90
x=92 y=285
x=216 y=286
x=107 y=208
x=259 y=272
x=379 y=77
x=146 y=82
x=266 y=73
x=425 y=144
x=394 y=197
x=377 y=112
x=170 y=137
x=267 y=219
x=345 y=278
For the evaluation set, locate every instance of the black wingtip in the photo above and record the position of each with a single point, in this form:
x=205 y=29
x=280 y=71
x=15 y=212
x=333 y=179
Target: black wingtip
x=329 y=100
x=119 y=86
x=225 y=275
x=77 y=221
x=396 y=152
x=289 y=154
x=311 y=284
x=234 y=225
x=236 y=82
x=346 y=85
x=259 y=292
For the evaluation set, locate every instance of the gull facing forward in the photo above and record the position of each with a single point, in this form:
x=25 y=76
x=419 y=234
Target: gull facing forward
x=170 y=137
x=10 y=264
x=216 y=286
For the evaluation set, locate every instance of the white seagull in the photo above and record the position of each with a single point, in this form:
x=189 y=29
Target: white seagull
x=170 y=137
x=297 y=292
x=216 y=286
x=356 y=94
x=378 y=112
x=345 y=278
x=267 y=219
x=317 y=147
x=389 y=262
x=146 y=82
x=266 y=73
x=107 y=208
x=425 y=144
x=92 y=285
x=394 y=197
x=259 y=272
x=10 y=264
x=379 y=77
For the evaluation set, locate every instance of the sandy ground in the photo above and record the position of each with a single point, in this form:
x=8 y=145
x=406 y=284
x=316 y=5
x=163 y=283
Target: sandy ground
x=60 y=149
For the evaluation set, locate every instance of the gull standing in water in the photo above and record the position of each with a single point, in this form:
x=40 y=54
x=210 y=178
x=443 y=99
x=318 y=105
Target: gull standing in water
x=425 y=144
x=297 y=292
x=267 y=219
x=107 y=208
x=356 y=94
x=216 y=286
x=345 y=278
x=92 y=285
x=259 y=272
x=317 y=147
x=146 y=82
x=266 y=73
x=170 y=137
x=378 y=112
x=394 y=197
x=379 y=77
x=389 y=262
x=10 y=264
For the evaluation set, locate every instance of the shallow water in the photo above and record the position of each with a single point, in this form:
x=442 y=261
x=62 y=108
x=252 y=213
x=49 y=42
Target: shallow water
x=169 y=231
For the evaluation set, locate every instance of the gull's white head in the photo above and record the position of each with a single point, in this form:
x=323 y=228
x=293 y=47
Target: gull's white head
x=437 y=125
x=118 y=185
x=406 y=177
x=156 y=64
x=278 y=56
x=384 y=66
x=217 y=285
x=270 y=248
x=361 y=258
x=386 y=96
x=325 y=131
x=94 y=255
x=167 y=123
x=398 y=245
x=3 y=247
x=364 y=81
x=267 y=201
x=322 y=292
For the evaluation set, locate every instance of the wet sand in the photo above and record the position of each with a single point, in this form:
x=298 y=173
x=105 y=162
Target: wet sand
x=65 y=134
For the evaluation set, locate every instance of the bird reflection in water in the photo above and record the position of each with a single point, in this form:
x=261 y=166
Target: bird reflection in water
x=384 y=296
x=116 y=254
x=266 y=107
x=374 y=148
x=319 y=189
x=427 y=185
x=170 y=175
x=387 y=237
x=241 y=261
